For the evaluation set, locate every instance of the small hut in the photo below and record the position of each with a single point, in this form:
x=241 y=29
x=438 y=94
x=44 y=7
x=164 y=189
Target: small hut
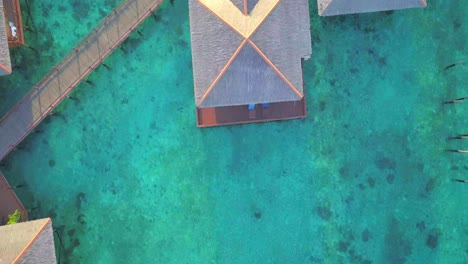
x=247 y=59
x=28 y=242
x=341 y=7
x=5 y=64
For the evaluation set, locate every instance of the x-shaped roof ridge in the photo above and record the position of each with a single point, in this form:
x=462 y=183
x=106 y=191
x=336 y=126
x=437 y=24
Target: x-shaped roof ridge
x=245 y=26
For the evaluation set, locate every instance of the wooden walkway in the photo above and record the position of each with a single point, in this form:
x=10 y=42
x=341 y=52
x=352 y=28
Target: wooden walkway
x=68 y=73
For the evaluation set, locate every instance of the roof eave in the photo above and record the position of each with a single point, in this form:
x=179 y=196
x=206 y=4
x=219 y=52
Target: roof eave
x=4 y=70
x=323 y=11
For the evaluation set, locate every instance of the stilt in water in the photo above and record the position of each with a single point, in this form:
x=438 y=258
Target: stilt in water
x=56 y=231
x=28 y=46
x=32 y=209
x=29 y=16
x=156 y=18
x=459 y=180
x=26 y=28
x=90 y=82
x=106 y=66
x=453 y=65
x=19 y=186
x=458 y=151
x=459 y=137
x=456 y=101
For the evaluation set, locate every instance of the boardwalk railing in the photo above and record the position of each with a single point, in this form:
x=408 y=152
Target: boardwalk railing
x=68 y=73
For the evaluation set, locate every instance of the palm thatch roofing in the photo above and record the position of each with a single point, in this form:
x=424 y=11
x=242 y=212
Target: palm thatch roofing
x=248 y=51
x=340 y=7
x=5 y=64
x=27 y=242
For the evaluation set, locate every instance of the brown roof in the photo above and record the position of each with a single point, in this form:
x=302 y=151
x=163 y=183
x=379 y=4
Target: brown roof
x=12 y=11
x=9 y=202
x=243 y=59
x=27 y=242
x=339 y=7
x=5 y=64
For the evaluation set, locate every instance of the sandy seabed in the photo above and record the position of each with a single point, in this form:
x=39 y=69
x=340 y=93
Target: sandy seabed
x=125 y=174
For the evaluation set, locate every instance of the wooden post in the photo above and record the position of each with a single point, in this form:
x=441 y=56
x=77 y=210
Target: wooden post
x=28 y=46
x=458 y=151
x=123 y=49
x=453 y=65
x=459 y=137
x=456 y=101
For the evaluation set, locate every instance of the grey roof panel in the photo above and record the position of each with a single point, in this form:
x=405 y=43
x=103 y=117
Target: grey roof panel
x=286 y=43
x=249 y=79
x=251 y=4
x=42 y=249
x=15 y=239
x=213 y=44
x=338 y=7
x=4 y=51
x=239 y=4
x=284 y=37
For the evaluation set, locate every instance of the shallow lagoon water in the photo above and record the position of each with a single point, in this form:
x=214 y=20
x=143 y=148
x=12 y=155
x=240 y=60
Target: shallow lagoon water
x=365 y=178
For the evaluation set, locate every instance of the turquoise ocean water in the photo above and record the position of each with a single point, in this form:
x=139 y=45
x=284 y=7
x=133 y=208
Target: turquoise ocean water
x=125 y=174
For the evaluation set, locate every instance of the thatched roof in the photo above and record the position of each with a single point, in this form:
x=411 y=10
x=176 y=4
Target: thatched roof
x=5 y=64
x=339 y=7
x=27 y=242
x=243 y=59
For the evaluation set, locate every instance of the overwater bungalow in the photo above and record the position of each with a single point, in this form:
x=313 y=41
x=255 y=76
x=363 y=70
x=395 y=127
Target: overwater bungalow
x=341 y=7
x=5 y=64
x=9 y=202
x=11 y=32
x=28 y=242
x=13 y=22
x=247 y=59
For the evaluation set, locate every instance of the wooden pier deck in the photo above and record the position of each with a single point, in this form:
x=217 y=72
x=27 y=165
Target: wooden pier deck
x=235 y=115
x=73 y=69
x=12 y=11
